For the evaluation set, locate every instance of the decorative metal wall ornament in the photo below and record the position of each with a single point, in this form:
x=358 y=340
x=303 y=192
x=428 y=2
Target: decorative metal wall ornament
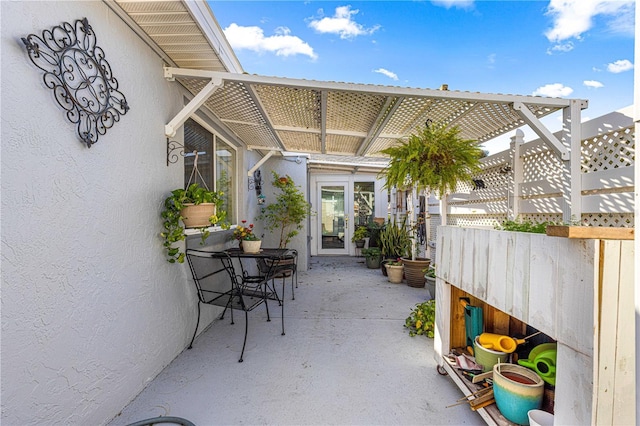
x=172 y=157
x=76 y=70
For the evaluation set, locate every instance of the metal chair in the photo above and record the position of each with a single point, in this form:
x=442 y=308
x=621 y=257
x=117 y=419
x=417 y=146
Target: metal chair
x=163 y=419
x=217 y=284
x=288 y=267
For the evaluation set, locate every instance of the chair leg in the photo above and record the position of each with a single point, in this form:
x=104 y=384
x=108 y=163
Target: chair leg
x=266 y=304
x=246 y=330
x=282 y=307
x=196 y=330
x=293 y=292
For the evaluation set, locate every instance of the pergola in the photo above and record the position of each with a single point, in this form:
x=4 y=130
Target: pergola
x=348 y=121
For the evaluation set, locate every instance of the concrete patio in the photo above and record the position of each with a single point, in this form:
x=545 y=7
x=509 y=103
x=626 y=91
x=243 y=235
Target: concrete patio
x=345 y=359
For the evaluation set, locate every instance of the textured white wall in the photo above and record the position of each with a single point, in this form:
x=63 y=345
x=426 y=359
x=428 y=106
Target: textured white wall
x=91 y=311
x=297 y=172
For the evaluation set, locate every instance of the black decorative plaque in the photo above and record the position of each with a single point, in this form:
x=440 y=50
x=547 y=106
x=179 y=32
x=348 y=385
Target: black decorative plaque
x=76 y=70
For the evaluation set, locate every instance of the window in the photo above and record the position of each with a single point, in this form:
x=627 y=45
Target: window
x=216 y=163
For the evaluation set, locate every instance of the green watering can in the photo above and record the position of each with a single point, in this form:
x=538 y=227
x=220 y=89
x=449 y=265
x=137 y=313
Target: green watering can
x=542 y=360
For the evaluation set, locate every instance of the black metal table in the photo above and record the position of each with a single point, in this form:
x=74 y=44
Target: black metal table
x=244 y=291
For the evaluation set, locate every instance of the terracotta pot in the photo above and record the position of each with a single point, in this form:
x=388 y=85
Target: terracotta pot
x=197 y=215
x=414 y=270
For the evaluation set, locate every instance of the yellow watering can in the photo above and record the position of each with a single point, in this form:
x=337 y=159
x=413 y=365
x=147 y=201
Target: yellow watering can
x=501 y=343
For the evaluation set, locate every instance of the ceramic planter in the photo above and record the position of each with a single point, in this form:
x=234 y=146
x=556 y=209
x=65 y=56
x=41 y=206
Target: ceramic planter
x=197 y=215
x=372 y=262
x=431 y=286
x=414 y=270
x=394 y=273
x=251 y=246
x=516 y=390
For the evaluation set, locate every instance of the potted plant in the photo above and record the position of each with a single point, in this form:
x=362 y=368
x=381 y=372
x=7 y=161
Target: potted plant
x=395 y=241
x=372 y=257
x=193 y=207
x=430 y=279
x=422 y=319
x=374 y=232
x=287 y=214
x=435 y=160
x=249 y=242
x=395 y=271
x=359 y=235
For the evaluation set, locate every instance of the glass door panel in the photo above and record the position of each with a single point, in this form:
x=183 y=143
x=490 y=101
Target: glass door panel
x=333 y=218
x=364 y=195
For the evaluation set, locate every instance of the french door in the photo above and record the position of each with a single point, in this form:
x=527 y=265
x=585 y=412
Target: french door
x=333 y=218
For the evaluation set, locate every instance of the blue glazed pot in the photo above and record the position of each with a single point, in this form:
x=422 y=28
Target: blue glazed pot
x=516 y=390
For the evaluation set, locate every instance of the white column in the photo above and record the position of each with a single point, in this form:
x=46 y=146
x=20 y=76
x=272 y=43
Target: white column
x=572 y=139
x=518 y=173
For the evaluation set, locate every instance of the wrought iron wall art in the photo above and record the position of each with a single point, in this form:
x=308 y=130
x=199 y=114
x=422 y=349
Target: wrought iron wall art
x=76 y=70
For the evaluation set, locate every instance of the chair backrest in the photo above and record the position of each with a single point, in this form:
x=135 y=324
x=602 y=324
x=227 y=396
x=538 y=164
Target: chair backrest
x=215 y=278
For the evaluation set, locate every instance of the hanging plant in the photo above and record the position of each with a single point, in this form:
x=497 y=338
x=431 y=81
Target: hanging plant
x=173 y=223
x=435 y=159
x=175 y=214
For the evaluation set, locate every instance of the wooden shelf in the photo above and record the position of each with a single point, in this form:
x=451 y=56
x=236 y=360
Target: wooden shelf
x=591 y=232
x=490 y=413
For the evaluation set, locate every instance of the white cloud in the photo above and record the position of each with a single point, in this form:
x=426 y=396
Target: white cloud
x=572 y=18
x=560 y=47
x=390 y=74
x=619 y=66
x=460 y=4
x=282 y=43
x=554 y=90
x=593 y=83
x=341 y=23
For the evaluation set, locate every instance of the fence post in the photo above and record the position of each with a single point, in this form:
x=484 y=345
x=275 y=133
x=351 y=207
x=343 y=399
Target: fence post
x=518 y=175
x=572 y=139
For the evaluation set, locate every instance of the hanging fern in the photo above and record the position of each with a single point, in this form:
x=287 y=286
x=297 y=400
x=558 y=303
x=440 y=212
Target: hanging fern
x=435 y=159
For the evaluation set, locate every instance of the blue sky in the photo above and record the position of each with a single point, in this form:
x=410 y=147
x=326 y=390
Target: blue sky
x=568 y=48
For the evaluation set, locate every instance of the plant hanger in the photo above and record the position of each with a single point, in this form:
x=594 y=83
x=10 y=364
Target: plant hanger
x=195 y=173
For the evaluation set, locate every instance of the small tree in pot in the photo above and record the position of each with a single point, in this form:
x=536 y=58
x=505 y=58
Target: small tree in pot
x=287 y=214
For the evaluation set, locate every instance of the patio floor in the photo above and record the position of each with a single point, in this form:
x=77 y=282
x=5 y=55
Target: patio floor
x=345 y=359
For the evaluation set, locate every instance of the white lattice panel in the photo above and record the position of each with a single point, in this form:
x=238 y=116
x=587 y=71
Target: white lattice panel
x=608 y=151
x=299 y=141
x=541 y=217
x=302 y=106
x=542 y=165
x=338 y=143
x=232 y=102
x=609 y=219
x=470 y=221
x=255 y=135
x=353 y=112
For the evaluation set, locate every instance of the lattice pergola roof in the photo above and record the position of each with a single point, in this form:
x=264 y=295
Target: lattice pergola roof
x=273 y=113
x=315 y=117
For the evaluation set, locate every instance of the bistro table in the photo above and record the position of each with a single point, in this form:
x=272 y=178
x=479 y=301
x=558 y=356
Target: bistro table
x=259 y=281
x=242 y=289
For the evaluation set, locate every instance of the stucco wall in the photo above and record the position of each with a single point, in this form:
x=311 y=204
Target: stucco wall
x=297 y=172
x=91 y=311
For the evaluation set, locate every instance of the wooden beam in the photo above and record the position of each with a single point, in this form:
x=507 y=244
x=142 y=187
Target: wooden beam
x=591 y=232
